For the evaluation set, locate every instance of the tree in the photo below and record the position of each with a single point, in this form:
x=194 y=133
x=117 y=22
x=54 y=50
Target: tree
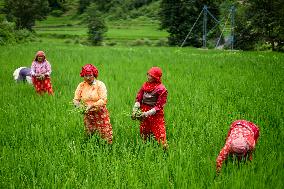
x=61 y=5
x=83 y=4
x=261 y=21
x=267 y=18
x=178 y=16
x=96 y=25
x=25 y=13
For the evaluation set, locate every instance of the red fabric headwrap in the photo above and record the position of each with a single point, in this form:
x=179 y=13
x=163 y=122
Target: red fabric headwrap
x=89 y=69
x=40 y=53
x=156 y=73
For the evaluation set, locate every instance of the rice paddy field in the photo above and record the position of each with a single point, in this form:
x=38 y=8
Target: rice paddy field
x=42 y=143
x=70 y=29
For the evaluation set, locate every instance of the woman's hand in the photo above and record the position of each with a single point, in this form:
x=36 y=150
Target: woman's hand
x=40 y=77
x=89 y=107
x=92 y=108
x=76 y=103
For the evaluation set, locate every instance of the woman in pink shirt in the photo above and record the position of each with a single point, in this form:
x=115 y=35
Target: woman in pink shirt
x=40 y=72
x=93 y=94
x=241 y=140
x=151 y=99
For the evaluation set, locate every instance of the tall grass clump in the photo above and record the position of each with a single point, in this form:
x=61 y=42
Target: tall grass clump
x=42 y=144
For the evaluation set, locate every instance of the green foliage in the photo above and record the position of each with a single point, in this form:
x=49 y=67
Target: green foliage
x=261 y=21
x=25 y=13
x=96 y=26
x=83 y=4
x=24 y=35
x=115 y=9
x=59 y=4
x=178 y=16
x=7 y=35
x=150 y=10
x=57 y=13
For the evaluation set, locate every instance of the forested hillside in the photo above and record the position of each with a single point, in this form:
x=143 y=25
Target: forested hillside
x=245 y=25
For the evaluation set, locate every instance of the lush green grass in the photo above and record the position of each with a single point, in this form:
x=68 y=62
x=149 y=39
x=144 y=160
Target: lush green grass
x=42 y=146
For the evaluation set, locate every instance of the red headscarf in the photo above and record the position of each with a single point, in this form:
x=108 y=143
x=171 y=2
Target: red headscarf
x=89 y=69
x=156 y=73
x=40 y=53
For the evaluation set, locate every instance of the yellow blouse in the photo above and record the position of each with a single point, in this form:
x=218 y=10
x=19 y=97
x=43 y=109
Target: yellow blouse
x=91 y=95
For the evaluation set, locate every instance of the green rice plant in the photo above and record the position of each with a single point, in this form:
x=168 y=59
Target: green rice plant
x=81 y=109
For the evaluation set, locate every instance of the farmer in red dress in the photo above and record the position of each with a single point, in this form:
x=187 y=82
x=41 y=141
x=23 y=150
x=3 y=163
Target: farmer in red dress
x=241 y=140
x=151 y=99
x=93 y=94
x=40 y=72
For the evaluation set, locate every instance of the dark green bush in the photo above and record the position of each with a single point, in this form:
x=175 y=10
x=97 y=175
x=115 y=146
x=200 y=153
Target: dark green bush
x=24 y=35
x=57 y=13
x=7 y=35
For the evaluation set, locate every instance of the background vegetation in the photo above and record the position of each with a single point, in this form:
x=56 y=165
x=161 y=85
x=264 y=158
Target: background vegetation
x=257 y=24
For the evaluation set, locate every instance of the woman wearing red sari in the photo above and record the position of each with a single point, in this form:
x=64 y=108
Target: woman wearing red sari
x=40 y=72
x=92 y=93
x=151 y=99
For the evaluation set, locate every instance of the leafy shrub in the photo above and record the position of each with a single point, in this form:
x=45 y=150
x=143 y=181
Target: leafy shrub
x=24 y=35
x=57 y=13
x=161 y=42
x=141 y=42
x=7 y=35
x=262 y=46
x=68 y=41
x=111 y=43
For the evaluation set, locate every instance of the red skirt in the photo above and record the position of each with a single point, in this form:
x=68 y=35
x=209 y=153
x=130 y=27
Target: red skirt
x=42 y=86
x=98 y=121
x=154 y=124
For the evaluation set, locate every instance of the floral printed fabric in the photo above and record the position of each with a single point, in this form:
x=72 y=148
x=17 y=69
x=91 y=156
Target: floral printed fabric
x=95 y=120
x=38 y=68
x=239 y=129
x=89 y=69
x=98 y=121
x=42 y=86
x=154 y=124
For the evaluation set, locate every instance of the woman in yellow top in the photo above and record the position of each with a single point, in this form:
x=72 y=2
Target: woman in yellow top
x=93 y=94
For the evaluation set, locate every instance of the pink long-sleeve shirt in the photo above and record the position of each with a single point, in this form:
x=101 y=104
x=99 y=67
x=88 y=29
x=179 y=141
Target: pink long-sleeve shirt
x=38 y=68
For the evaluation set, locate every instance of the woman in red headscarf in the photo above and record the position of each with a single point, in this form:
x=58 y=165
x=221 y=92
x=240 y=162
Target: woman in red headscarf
x=40 y=72
x=240 y=142
x=151 y=99
x=93 y=94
